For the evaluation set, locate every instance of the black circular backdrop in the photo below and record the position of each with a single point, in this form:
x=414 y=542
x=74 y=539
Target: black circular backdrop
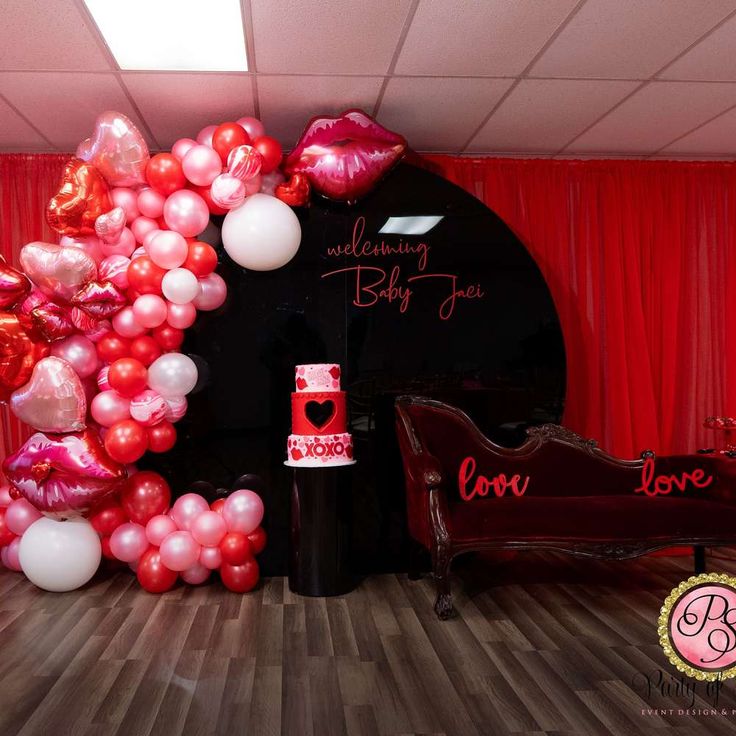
x=382 y=306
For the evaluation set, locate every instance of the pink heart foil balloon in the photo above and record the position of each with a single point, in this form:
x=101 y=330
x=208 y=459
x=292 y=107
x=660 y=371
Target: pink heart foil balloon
x=52 y=321
x=117 y=150
x=110 y=225
x=63 y=474
x=14 y=285
x=59 y=271
x=227 y=191
x=244 y=162
x=53 y=400
x=99 y=299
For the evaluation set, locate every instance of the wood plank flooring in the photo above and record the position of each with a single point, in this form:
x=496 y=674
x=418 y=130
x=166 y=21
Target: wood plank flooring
x=544 y=644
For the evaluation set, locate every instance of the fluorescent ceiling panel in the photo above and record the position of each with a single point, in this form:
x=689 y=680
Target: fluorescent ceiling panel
x=188 y=35
x=415 y=225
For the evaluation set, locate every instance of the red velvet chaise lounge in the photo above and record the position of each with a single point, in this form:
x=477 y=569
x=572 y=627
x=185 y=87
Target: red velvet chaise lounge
x=557 y=491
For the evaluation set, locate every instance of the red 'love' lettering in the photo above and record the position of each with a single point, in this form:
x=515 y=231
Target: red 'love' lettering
x=482 y=485
x=662 y=485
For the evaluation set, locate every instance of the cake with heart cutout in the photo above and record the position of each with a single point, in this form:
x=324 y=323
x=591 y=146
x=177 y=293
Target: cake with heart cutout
x=318 y=419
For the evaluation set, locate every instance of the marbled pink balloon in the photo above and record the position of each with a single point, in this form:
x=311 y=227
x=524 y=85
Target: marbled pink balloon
x=176 y=408
x=109 y=225
x=58 y=271
x=102 y=378
x=92 y=327
x=115 y=270
x=227 y=191
x=148 y=408
x=244 y=162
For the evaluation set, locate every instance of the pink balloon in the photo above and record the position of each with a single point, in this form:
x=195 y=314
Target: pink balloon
x=149 y=236
x=158 y=528
x=141 y=226
x=109 y=225
x=186 y=212
x=180 y=285
x=20 y=515
x=128 y=542
x=102 y=378
x=253 y=186
x=201 y=165
x=148 y=408
x=58 y=271
x=109 y=407
x=227 y=191
x=168 y=249
x=204 y=137
x=210 y=557
x=128 y=200
x=209 y=528
x=79 y=351
x=270 y=181
x=212 y=294
x=115 y=270
x=181 y=316
x=253 y=127
x=186 y=509
x=195 y=575
x=90 y=244
x=176 y=408
x=243 y=511
x=123 y=246
x=149 y=310
x=180 y=148
x=151 y=203
x=126 y=324
x=11 y=559
x=179 y=551
x=5 y=497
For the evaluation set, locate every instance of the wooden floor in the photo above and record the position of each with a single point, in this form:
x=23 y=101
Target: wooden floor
x=544 y=644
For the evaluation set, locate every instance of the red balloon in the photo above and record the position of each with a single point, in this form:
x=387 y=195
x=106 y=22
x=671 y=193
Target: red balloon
x=228 y=136
x=257 y=539
x=126 y=441
x=235 y=548
x=145 y=495
x=217 y=505
x=112 y=347
x=6 y=536
x=153 y=575
x=14 y=493
x=144 y=276
x=106 y=551
x=127 y=376
x=201 y=259
x=240 y=578
x=270 y=149
x=206 y=195
x=165 y=174
x=145 y=349
x=161 y=437
x=168 y=337
x=107 y=515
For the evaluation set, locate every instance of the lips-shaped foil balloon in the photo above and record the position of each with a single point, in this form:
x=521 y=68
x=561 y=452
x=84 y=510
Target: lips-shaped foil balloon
x=52 y=321
x=13 y=285
x=59 y=271
x=344 y=157
x=109 y=225
x=63 y=474
x=19 y=352
x=99 y=299
x=117 y=150
x=82 y=197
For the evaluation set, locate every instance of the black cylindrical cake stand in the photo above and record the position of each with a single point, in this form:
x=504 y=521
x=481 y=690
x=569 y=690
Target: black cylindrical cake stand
x=319 y=554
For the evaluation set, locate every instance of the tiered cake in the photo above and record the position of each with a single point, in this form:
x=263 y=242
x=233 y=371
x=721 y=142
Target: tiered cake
x=318 y=419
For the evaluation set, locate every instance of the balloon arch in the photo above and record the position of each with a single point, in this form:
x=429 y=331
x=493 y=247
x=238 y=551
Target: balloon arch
x=91 y=331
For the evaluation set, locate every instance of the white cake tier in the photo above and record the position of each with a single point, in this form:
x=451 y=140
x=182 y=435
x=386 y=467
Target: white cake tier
x=317 y=451
x=317 y=377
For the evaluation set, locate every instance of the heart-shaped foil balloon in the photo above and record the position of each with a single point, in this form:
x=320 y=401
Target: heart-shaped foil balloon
x=52 y=321
x=117 y=150
x=20 y=350
x=82 y=197
x=14 y=285
x=227 y=191
x=244 y=162
x=53 y=400
x=109 y=225
x=295 y=191
x=59 y=271
x=99 y=299
x=63 y=474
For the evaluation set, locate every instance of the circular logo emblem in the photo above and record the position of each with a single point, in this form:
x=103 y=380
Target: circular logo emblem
x=697 y=627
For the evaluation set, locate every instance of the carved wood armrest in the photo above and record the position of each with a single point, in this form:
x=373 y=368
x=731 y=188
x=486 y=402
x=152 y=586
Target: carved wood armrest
x=430 y=470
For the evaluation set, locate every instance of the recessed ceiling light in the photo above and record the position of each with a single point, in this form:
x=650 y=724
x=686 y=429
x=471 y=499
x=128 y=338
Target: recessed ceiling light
x=189 y=35
x=415 y=225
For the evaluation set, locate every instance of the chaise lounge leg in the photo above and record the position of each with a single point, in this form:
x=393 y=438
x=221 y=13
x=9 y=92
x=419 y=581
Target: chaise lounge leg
x=415 y=560
x=699 y=558
x=441 y=560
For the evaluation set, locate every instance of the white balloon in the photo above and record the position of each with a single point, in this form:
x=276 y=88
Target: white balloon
x=60 y=555
x=173 y=374
x=180 y=285
x=262 y=234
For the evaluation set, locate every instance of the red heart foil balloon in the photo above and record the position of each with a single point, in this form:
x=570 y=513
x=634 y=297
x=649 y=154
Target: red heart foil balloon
x=52 y=321
x=344 y=157
x=63 y=474
x=53 y=400
x=244 y=162
x=294 y=192
x=19 y=352
x=99 y=299
x=82 y=197
x=14 y=285
x=109 y=225
x=59 y=271
x=117 y=150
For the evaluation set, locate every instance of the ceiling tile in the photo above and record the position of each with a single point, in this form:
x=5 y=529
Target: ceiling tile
x=436 y=114
x=287 y=103
x=713 y=58
x=47 y=35
x=718 y=137
x=479 y=37
x=542 y=115
x=180 y=105
x=64 y=106
x=338 y=37
x=628 y=38
x=16 y=134
x=654 y=116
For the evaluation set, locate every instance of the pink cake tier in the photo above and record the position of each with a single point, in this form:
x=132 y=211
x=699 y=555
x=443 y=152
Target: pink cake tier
x=319 y=451
x=317 y=377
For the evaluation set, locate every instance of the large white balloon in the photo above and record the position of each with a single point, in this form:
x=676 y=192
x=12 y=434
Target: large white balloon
x=173 y=374
x=60 y=555
x=262 y=234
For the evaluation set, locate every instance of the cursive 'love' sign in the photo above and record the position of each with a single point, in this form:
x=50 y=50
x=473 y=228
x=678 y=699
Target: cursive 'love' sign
x=471 y=485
